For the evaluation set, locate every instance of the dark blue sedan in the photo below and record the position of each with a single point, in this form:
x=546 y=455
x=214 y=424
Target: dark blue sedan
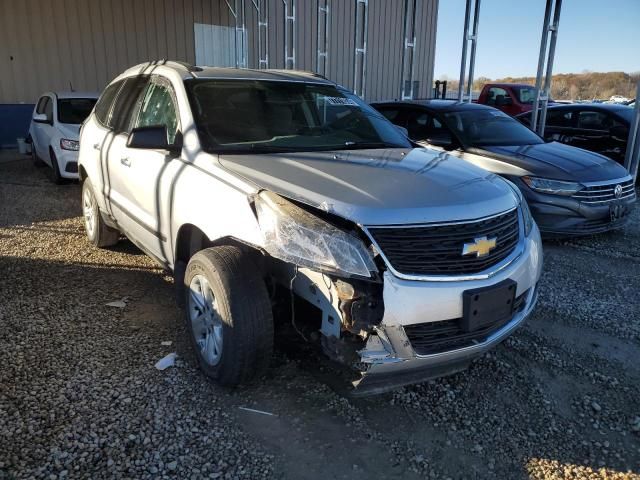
x=570 y=191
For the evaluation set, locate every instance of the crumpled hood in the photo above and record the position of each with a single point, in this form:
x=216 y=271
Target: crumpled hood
x=69 y=130
x=561 y=162
x=379 y=187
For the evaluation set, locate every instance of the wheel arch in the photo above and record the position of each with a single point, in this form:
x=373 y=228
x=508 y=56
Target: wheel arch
x=190 y=240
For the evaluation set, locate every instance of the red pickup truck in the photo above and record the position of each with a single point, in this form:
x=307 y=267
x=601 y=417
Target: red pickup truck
x=511 y=98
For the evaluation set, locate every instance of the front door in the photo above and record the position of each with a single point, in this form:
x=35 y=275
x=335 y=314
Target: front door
x=148 y=175
x=43 y=131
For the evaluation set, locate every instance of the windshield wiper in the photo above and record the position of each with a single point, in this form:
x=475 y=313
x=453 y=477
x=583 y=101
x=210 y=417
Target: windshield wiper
x=365 y=145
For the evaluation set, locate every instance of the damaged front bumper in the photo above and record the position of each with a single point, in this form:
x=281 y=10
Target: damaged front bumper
x=391 y=357
x=388 y=371
x=387 y=345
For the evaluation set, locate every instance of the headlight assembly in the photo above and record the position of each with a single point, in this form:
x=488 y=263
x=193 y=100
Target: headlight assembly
x=67 y=144
x=555 y=187
x=294 y=235
x=526 y=216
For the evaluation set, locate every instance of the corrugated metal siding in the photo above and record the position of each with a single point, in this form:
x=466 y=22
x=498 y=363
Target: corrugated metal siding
x=56 y=44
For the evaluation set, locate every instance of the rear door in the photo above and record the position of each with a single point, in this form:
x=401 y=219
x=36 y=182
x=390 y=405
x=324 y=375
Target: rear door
x=147 y=176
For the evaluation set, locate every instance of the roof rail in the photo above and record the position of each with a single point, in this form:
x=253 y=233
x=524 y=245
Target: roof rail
x=186 y=65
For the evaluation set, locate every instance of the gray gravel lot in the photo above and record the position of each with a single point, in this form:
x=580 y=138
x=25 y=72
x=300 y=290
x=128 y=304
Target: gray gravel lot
x=80 y=398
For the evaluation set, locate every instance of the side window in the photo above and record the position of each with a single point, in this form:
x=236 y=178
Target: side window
x=591 y=120
x=392 y=114
x=421 y=125
x=498 y=96
x=127 y=103
x=48 y=109
x=418 y=124
x=158 y=108
x=103 y=106
x=559 y=118
x=41 y=103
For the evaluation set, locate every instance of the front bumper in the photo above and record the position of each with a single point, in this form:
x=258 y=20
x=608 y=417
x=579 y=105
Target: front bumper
x=393 y=362
x=67 y=162
x=557 y=215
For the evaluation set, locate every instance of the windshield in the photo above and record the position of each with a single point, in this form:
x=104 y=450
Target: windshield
x=75 y=110
x=489 y=127
x=249 y=116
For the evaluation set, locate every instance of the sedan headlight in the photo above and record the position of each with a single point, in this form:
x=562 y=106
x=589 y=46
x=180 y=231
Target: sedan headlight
x=556 y=187
x=294 y=235
x=67 y=144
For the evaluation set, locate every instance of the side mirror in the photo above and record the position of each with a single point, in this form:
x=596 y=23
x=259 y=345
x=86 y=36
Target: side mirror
x=403 y=131
x=40 y=118
x=153 y=138
x=619 y=131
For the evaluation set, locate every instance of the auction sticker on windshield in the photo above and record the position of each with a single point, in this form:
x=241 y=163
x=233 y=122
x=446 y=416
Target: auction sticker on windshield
x=340 y=101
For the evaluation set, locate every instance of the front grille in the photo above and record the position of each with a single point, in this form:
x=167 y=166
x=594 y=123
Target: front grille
x=437 y=249
x=603 y=194
x=436 y=337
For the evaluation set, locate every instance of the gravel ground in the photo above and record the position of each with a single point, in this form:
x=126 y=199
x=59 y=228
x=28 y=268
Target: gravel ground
x=80 y=398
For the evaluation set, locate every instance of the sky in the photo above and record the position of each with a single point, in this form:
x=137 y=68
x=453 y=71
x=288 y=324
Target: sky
x=594 y=35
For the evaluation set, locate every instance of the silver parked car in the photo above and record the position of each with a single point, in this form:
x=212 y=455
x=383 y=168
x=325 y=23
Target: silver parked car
x=262 y=187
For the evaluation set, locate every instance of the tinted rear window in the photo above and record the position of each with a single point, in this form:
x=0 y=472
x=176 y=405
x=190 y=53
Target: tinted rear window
x=74 y=110
x=104 y=102
x=126 y=103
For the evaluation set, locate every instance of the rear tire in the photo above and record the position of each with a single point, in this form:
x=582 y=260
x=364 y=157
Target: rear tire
x=55 y=169
x=34 y=155
x=228 y=315
x=98 y=232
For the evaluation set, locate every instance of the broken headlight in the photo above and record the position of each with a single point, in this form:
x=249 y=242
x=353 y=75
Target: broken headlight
x=294 y=235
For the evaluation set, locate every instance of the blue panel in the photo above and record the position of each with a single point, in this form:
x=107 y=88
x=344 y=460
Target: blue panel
x=14 y=123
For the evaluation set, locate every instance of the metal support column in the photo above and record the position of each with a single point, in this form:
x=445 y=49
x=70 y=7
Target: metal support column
x=465 y=91
x=360 y=41
x=322 y=52
x=408 y=53
x=240 y=48
x=632 y=156
x=542 y=92
x=263 y=32
x=289 y=34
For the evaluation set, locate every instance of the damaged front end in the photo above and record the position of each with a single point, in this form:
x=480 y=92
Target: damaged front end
x=333 y=269
x=389 y=331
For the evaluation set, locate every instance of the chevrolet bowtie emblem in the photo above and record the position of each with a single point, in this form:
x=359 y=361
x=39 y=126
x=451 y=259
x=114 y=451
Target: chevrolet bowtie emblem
x=481 y=246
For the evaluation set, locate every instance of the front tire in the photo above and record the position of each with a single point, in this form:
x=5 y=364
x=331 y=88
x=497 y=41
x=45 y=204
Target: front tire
x=98 y=232
x=55 y=169
x=228 y=315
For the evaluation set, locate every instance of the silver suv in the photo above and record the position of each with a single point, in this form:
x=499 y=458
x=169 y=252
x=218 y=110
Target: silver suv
x=279 y=191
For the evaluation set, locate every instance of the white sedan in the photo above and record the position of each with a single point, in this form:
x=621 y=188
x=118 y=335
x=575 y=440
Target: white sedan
x=55 y=128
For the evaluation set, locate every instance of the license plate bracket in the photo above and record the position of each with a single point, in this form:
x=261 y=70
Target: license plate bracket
x=617 y=211
x=488 y=305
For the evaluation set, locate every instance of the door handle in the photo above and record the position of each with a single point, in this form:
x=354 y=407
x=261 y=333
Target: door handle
x=96 y=146
x=125 y=161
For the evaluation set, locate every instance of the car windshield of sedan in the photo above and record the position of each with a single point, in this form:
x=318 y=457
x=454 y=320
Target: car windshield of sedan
x=246 y=116
x=489 y=127
x=75 y=110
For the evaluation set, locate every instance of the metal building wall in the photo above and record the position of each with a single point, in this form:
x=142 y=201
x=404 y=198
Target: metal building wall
x=55 y=44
